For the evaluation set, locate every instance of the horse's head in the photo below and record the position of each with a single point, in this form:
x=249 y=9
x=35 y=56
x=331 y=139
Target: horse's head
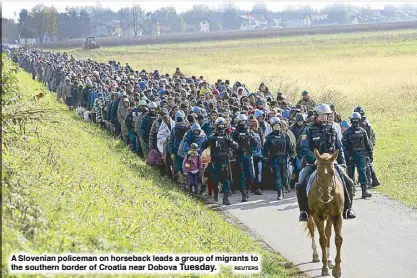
x=326 y=180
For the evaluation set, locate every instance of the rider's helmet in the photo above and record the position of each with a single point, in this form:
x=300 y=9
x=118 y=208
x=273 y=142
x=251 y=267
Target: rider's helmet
x=321 y=113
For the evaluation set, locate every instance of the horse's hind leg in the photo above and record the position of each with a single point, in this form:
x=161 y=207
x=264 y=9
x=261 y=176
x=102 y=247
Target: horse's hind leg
x=328 y=236
x=337 y=223
x=311 y=228
x=323 y=243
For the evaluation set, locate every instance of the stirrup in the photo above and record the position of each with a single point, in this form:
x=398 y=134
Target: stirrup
x=345 y=215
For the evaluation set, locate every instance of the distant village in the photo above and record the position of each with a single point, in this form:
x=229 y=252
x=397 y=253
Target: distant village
x=45 y=24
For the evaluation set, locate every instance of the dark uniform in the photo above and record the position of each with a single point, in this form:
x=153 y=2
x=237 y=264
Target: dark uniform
x=324 y=138
x=364 y=123
x=244 y=156
x=357 y=148
x=277 y=149
x=219 y=144
x=370 y=170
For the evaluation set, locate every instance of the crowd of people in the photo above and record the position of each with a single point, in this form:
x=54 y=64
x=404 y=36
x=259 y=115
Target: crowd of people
x=202 y=135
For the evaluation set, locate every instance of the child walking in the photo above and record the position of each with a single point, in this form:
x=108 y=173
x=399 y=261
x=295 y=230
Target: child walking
x=192 y=166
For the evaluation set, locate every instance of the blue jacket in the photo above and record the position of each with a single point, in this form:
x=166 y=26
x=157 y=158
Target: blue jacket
x=207 y=127
x=190 y=138
x=113 y=110
x=176 y=136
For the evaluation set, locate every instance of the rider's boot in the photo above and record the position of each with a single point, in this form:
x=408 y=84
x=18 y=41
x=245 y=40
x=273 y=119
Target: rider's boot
x=348 y=212
x=302 y=203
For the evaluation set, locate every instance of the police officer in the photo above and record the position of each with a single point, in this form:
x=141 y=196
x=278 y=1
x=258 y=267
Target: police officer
x=247 y=144
x=321 y=136
x=219 y=144
x=357 y=148
x=365 y=124
x=278 y=147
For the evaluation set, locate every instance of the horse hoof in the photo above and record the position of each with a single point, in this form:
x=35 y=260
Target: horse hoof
x=316 y=259
x=325 y=272
x=330 y=264
x=336 y=274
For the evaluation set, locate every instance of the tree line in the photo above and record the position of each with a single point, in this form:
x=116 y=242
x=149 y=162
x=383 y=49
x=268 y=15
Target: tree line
x=79 y=21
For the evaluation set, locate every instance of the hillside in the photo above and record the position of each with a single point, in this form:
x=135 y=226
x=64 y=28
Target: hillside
x=68 y=187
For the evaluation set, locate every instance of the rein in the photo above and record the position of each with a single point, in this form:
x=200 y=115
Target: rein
x=330 y=190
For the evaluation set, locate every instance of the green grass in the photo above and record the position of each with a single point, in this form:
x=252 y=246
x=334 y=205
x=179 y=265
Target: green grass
x=68 y=187
x=373 y=69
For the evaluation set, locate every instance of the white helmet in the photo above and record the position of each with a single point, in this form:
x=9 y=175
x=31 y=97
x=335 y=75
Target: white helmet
x=322 y=108
x=152 y=105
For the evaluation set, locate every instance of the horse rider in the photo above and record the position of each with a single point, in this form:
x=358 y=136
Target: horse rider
x=357 y=148
x=322 y=136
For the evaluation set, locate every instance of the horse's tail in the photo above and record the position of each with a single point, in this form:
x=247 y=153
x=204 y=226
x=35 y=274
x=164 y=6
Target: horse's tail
x=309 y=227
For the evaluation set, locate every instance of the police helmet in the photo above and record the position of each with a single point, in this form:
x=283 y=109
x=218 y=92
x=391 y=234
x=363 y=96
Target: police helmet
x=275 y=120
x=152 y=105
x=359 y=110
x=355 y=116
x=220 y=121
x=242 y=117
x=322 y=108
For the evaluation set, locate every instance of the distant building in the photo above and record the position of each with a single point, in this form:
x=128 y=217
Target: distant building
x=294 y=19
x=247 y=22
x=274 y=22
x=356 y=19
x=158 y=29
x=108 y=29
x=197 y=24
x=261 y=21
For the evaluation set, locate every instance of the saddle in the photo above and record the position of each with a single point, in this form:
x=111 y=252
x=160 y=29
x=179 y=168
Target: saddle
x=311 y=177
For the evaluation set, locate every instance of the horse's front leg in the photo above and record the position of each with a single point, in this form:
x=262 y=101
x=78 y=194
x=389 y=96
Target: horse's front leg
x=323 y=243
x=337 y=223
x=328 y=236
x=311 y=228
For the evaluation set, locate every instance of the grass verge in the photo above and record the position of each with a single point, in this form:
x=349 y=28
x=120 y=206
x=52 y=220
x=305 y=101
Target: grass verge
x=68 y=187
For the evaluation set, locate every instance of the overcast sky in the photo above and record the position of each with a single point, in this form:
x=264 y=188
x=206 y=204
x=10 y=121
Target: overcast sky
x=11 y=9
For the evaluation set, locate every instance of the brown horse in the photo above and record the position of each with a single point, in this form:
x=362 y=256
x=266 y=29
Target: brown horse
x=326 y=200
